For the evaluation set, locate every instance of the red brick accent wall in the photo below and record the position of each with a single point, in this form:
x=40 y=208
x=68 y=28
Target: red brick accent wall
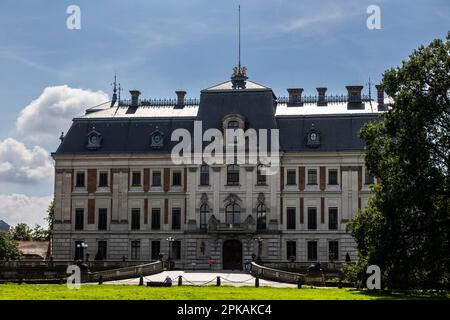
x=146 y=179
x=301 y=178
x=359 y=203
x=91 y=180
x=322 y=210
x=166 y=179
x=323 y=178
x=301 y=210
x=111 y=180
x=91 y=211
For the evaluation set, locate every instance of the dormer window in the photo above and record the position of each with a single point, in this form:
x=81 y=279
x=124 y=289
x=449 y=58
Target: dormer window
x=94 y=139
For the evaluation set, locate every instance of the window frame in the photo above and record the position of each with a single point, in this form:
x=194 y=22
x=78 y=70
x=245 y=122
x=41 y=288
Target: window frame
x=176 y=244
x=291 y=213
x=309 y=182
x=204 y=175
x=330 y=247
x=233 y=174
x=135 y=250
x=100 y=184
x=309 y=247
x=329 y=177
x=135 y=174
x=78 y=212
x=156 y=212
x=154 y=174
x=309 y=212
x=102 y=224
x=261 y=217
x=176 y=218
x=235 y=214
x=204 y=210
x=291 y=177
x=261 y=179
x=335 y=224
x=77 y=174
x=291 y=247
x=177 y=173
x=154 y=255
x=135 y=222
x=105 y=249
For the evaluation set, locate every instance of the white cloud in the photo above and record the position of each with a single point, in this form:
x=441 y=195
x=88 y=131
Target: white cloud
x=51 y=113
x=20 y=164
x=18 y=208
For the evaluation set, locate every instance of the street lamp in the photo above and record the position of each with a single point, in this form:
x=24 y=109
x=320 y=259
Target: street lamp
x=170 y=240
x=81 y=246
x=259 y=241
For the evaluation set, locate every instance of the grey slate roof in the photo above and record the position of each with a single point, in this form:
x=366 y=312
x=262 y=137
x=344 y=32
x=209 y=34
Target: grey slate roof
x=4 y=226
x=339 y=132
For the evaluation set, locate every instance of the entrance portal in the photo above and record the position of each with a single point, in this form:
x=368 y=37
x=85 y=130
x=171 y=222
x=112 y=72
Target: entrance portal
x=232 y=255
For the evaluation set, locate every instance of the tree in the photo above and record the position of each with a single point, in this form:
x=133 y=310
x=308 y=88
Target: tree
x=51 y=215
x=8 y=247
x=405 y=229
x=22 y=232
x=39 y=233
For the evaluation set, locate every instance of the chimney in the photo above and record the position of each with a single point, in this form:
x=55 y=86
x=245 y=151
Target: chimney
x=380 y=94
x=321 y=100
x=135 y=97
x=295 y=97
x=180 y=99
x=354 y=97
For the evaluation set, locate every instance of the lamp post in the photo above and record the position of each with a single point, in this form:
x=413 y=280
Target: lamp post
x=259 y=242
x=81 y=247
x=170 y=240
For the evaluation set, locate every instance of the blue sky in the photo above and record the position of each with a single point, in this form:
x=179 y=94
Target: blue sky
x=161 y=46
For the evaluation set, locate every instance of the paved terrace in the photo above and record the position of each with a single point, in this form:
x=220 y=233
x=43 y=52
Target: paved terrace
x=200 y=278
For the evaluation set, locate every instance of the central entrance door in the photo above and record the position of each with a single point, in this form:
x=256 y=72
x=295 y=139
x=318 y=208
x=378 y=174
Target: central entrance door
x=232 y=255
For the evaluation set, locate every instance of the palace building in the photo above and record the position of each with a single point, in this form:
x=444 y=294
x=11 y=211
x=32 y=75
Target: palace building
x=120 y=196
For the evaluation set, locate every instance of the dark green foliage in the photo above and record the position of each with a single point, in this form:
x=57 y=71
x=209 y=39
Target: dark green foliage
x=405 y=229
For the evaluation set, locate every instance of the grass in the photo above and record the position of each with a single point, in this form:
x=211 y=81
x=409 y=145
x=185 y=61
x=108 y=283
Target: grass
x=130 y=292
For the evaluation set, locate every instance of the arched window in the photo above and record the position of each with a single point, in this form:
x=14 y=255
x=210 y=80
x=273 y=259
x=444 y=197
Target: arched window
x=260 y=176
x=203 y=213
x=261 y=217
x=233 y=174
x=233 y=214
x=204 y=175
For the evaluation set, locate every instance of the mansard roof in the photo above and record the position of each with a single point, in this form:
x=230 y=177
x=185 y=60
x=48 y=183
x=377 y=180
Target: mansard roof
x=127 y=129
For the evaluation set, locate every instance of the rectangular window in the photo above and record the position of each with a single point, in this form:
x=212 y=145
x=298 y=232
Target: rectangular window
x=135 y=219
x=333 y=250
x=291 y=177
x=135 y=250
x=261 y=178
x=332 y=218
x=233 y=175
x=291 y=250
x=312 y=250
x=102 y=250
x=79 y=183
x=156 y=178
x=176 y=250
x=156 y=219
x=332 y=177
x=102 y=218
x=136 y=179
x=312 y=177
x=176 y=178
x=156 y=249
x=103 y=179
x=312 y=218
x=176 y=218
x=79 y=219
x=204 y=175
x=290 y=217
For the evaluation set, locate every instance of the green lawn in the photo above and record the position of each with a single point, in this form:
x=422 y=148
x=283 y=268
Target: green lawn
x=130 y=292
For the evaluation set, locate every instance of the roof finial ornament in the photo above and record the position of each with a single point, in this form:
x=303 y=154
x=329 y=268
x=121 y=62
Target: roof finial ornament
x=114 y=96
x=239 y=75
